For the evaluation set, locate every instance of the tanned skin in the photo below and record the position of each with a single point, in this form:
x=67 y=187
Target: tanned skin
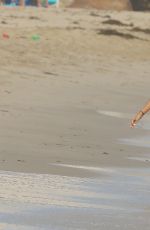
x=140 y=114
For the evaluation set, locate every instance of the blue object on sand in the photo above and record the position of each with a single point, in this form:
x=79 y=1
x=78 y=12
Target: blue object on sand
x=27 y=2
x=12 y=3
x=52 y=1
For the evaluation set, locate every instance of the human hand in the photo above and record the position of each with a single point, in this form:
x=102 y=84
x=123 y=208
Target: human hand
x=134 y=121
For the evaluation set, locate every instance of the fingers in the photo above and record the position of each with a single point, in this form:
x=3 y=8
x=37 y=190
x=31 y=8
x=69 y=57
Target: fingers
x=133 y=123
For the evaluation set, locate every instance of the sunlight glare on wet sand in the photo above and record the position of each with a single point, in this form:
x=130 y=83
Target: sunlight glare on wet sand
x=35 y=201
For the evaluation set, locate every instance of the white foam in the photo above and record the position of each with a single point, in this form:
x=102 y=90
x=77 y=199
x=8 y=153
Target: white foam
x=114 y=114
x=98 y=169
x=143 y=141
x=143 y=124
x=143 y=159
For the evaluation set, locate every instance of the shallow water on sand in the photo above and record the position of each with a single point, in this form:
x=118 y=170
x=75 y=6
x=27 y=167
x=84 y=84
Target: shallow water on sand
x=141 y=141
x=120 y=200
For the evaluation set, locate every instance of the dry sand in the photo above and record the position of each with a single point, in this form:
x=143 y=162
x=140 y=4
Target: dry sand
x=55 y=88
x=118 y=5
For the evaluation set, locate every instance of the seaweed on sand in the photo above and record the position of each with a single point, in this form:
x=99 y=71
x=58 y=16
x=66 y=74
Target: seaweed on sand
x=112 y=32
x=116 y=23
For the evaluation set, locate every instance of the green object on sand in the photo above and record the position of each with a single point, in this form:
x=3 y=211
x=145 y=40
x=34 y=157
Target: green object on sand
x=35 y=37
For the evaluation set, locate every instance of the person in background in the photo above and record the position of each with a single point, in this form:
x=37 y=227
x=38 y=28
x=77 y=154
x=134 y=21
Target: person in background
x=38 y=3
x=140 y=114
x=21 y=3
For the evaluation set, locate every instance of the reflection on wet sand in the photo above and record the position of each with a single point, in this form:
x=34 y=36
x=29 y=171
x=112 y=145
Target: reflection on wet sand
x=142 y=141
x=42 y=201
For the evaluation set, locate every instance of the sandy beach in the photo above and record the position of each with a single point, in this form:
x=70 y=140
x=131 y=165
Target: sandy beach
x=70 y=81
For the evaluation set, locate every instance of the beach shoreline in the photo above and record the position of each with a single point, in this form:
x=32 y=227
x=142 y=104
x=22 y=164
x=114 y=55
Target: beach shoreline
x=70 y=82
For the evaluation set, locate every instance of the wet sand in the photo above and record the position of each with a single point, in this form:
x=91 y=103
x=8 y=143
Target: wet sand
x=43 y=201
x=70 y=82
